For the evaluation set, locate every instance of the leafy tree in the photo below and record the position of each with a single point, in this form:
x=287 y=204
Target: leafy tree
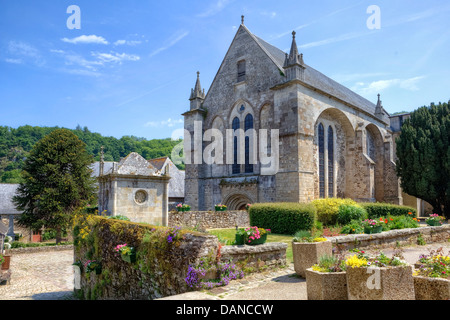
x=56 y=182
x=423 y=151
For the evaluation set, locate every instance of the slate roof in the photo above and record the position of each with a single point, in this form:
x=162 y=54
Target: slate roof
x=135 y=164
x=176 y=182
x=7 y=191
x=318 y=80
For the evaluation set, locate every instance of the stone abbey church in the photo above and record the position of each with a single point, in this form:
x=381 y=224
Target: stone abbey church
x=332 y=141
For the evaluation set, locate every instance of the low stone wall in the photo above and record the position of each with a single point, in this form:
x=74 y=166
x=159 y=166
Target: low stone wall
x=41 y=249
x=210 y=219
x=268 y=255
x=163 y=256
x=394 y=237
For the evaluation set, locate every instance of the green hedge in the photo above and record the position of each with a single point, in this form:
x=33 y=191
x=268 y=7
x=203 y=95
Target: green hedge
x=376 y=210
x=283 y=218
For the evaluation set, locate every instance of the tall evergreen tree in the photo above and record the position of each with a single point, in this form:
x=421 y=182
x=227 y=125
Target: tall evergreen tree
x=56 y=182
x=423 y=151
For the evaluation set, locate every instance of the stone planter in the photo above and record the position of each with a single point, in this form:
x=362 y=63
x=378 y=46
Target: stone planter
x=426 y=288
x=5 y=265
x=307 y=254
x=326 y=285
x=387 y=283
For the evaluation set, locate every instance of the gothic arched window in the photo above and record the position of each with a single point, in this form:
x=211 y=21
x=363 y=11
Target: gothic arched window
x=236 y=167
x=321 y=161
x=330 y=162
x=248 y=124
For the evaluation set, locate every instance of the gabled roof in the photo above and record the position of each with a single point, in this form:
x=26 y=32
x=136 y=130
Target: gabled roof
x=176 y=182
x=7 y=192
x=135 y=164
x=318 y=80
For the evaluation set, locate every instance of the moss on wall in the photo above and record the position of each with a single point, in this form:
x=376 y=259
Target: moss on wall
x=163 y=256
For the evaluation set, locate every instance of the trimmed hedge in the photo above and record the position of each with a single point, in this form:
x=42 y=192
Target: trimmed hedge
x=376 y=210
x=328 y=209
x=283 y=218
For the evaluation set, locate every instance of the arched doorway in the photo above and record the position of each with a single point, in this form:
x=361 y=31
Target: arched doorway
x=237 y=201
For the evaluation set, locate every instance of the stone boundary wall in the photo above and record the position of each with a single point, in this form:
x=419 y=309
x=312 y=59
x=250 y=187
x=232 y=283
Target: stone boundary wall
x=391 y=238
x=210 y=219
x=41 y=249
x=268 y=255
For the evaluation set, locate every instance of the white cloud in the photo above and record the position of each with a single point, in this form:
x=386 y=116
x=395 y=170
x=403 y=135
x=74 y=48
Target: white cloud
x=114 y=57
x=374 y=87
x=24 y=52
x=164 y=123
x=14 y=61
x=340 y=38
x=86 y=39
x=127 y=42
x=214 y=8
x=171 y=42
x=271 y=14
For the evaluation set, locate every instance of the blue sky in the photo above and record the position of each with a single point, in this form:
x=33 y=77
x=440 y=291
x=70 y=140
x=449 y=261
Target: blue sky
x=130 y=68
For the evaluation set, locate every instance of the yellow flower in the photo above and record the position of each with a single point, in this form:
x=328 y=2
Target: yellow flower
x=355 y=262
x=320 y=239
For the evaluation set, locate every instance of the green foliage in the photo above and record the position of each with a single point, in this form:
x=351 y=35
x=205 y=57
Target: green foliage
x=283 y=218
x=56 y=182
x=423 y=151
x=376 y=210
x=16 y=144
x=328 y=209
x=401 y=222
x=353 y=227
x=348 y=213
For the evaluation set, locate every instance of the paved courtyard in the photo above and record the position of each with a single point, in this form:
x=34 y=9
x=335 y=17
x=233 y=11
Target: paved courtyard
x=40 y=276
x=49 y=276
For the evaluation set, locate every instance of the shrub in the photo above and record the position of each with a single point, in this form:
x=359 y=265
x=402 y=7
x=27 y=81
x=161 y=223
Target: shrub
x=354 y=227
x=283 y=218
x=401 y=222
x=348 y=213
x=376 y=210
x=327 y=209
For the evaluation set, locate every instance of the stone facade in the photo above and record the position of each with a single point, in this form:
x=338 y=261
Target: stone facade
x=210 y=219
x=136 y=189
x=332 y=142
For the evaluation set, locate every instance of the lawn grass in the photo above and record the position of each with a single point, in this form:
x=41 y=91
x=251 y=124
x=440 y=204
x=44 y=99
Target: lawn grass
x=229 y=236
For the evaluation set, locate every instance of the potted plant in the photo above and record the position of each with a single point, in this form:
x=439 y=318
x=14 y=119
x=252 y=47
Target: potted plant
x=379 y=278
x=93 y=266
x=251 y=236
x=307 y=249
x=432 y=276
x=435 y=220
x=220 y=207
x=6 y=257
x=247 y=206
x=373 y=226
x=183 y=207
x=126 y=252
x=327 y=280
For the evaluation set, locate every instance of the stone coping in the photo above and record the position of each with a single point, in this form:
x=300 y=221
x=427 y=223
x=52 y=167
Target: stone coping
x=41 y=249
x=430 y=234
x=268 y=246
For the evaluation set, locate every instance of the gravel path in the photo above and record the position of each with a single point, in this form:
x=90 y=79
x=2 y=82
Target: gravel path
x=40 y=276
